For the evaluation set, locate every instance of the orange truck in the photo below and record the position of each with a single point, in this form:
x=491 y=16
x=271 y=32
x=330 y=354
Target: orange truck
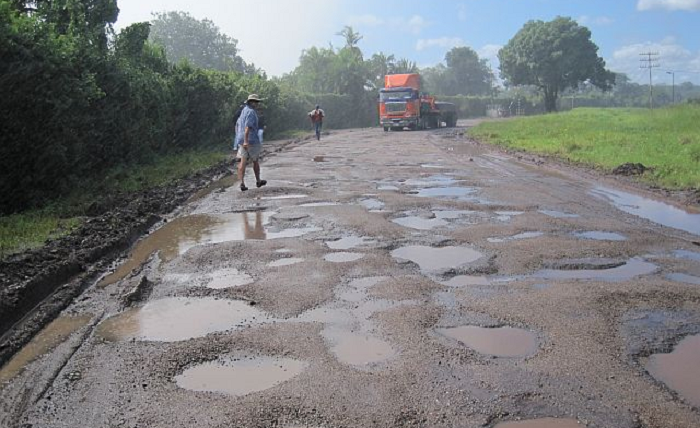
x=403 y=105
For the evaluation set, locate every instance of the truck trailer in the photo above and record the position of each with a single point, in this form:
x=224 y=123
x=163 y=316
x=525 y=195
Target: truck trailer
x=403 y=105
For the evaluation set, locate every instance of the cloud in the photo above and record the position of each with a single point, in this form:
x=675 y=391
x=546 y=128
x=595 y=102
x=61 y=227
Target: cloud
x=672 y=56
x=443 y=42
x=595 y=20
x=689 y=5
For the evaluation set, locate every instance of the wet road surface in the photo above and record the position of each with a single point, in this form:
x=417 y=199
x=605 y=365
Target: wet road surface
x=385 y=280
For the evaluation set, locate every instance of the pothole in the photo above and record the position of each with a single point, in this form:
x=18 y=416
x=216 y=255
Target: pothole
x=357 y=349
x=57 y=332
x=633 y=268
x=467 y=281
x=432 y=181
x=285 y=262
x=655 y=211
x=294 y=232
x=349 y=242
x=541 y=423
x=372 y=204
x=684 y=278
x=679 y=370
x=461 y=193
x=240 y=377
x=558 y=214
x=499 y=342
x=687 y=255
x=596 y=235
x=431 y=259
x=283 y=197
x=520 y=236
x=320 y=204
x=174 y=319
x=343 y=257
x=420 y=223
x=228 y=278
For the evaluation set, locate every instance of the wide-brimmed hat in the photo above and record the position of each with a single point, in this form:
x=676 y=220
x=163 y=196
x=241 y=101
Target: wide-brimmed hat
x=253 y=97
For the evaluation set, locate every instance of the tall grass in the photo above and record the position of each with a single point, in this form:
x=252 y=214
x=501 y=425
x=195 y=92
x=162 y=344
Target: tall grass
x=666 y=140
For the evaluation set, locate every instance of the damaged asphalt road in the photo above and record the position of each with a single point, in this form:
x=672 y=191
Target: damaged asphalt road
x=384 y=280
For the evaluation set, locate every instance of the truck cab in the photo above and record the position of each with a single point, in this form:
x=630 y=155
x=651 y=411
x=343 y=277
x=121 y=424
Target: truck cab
x=399 y=108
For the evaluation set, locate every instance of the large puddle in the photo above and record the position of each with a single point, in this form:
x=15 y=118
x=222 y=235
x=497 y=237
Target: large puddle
x=499 y=342
x=541 y=423
x=183 y=233
x=655 y=211
x=57 y=332
x=680 y=370
x=434 y=259
x=357 y=349
x=420 y=223
x=228 y=278
x=239 y=377
x=175 y=319
x=634 y=267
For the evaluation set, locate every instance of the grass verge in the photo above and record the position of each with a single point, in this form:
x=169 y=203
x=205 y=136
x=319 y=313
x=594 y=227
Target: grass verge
x=666 y=140
x=31 y=229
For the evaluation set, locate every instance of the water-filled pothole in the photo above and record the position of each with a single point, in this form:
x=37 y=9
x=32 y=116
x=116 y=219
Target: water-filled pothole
x=357 y=349
x=655 y=211
x=524 y=235
x=434 y=259
x=228 y=278
x=240 y=377
x=680 y=370
x=174 y=319
x=372 y=204
x=57 y=332
x=320 y=204
x=283 y=197
x=294 y=232
x=432 y=181
x=687 y=255
x=596 y=235
x=558 y=214
x=183 y=233
x=499 y=342
x=349 y=242
x=343 y=257
x=462 y=193
x=684 y=278
x=541 y=423
x=420 y=223
x=467 y=281
x=285 y=262
x=634 y=267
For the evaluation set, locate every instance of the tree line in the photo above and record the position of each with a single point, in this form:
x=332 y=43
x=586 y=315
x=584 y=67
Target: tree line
x=77 y=99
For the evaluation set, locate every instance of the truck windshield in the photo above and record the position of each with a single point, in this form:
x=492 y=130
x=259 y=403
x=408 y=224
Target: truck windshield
x=398 y=95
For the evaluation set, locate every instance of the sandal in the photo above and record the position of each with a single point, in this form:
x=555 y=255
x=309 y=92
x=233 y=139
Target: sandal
x=261 y=183
x=243 y=188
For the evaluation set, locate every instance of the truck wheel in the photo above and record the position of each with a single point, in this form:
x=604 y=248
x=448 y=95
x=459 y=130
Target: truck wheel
x=386 y=129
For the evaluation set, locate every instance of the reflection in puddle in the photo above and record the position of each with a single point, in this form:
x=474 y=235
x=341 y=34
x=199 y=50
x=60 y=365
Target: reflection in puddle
x=343 y=257
x=688 y=255
x=281 y=197
x=541 y=423
x=448 y=192
x=285 y=262
x=680 y=370
x=357 y=349
x=467 y=281
x=228 y=278
x=432 y=259
x=524 y=235
x=655 y=211
x=57 y=332
x=240 y=377
x=558 y=214
x=600 y=236
x=183 y=233
x=684 y=278
x=349 y=242
x=629 y=270
x=501 y=342
x=320 y=204
x=174 y=319
x=420 y=223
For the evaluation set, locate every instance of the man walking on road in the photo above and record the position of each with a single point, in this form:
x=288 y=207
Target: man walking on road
x=316 y=115
x=248 y=141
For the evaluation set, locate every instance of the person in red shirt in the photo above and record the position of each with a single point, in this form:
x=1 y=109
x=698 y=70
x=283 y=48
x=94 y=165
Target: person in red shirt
x=316 y=115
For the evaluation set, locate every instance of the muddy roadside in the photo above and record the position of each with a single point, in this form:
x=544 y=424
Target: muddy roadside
x=36 y=285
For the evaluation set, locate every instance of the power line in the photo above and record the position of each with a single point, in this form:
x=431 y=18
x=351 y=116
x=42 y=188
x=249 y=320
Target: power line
x=650 y=62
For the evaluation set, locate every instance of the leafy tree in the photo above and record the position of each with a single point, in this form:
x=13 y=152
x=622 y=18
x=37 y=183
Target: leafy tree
x=553 y=56
x=199 y=42
x=405 y=66
x=379 y=66
x=468 y=74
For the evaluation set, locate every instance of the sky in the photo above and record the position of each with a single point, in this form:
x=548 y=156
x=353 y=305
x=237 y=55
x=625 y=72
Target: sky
x=273 y=33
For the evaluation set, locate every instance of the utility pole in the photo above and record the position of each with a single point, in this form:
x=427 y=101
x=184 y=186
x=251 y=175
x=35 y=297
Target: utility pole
x=673 y=85
x=650 y=62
